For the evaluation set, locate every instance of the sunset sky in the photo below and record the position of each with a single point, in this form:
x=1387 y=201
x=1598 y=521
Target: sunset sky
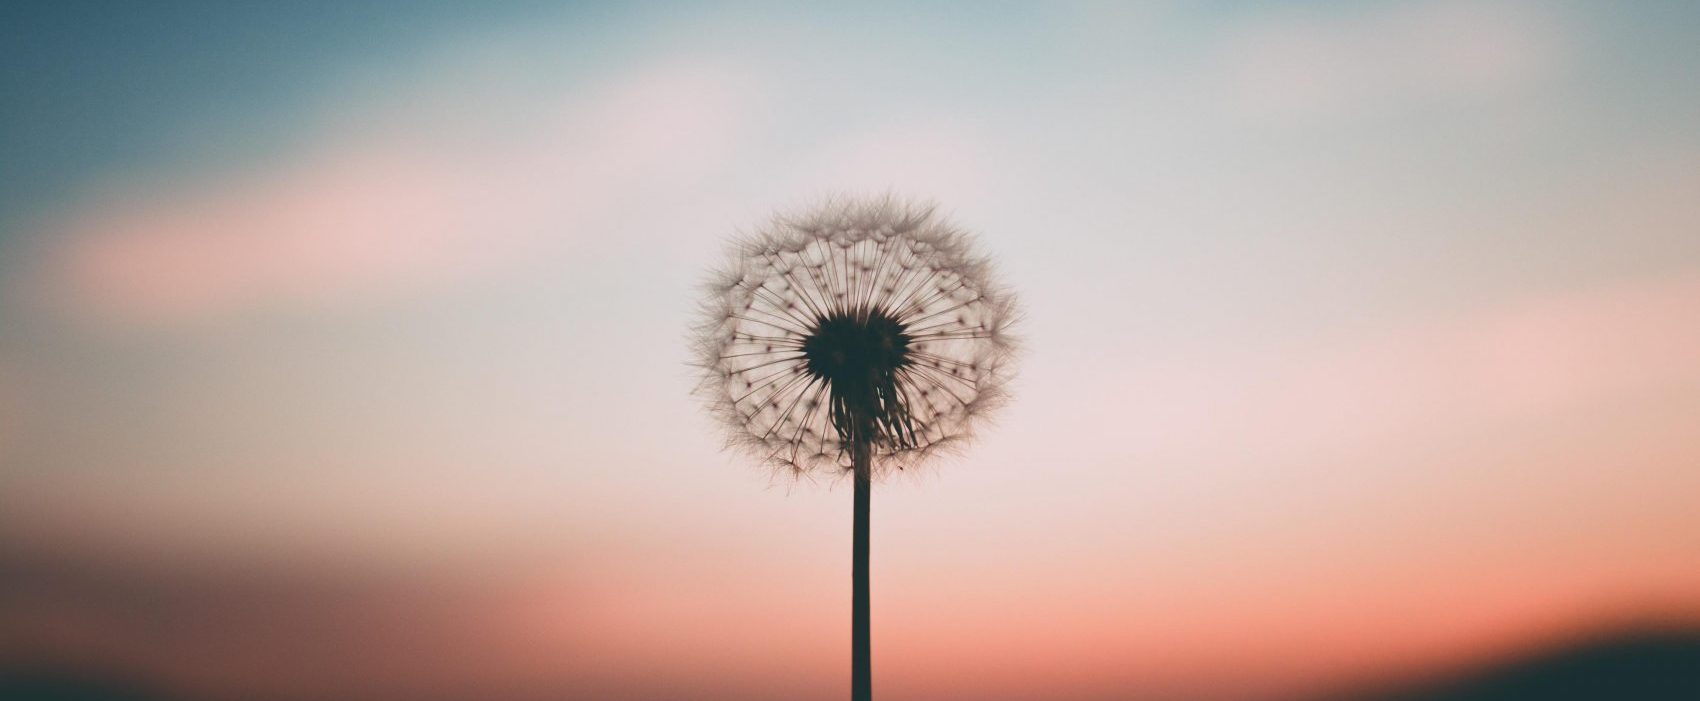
x=344 y=346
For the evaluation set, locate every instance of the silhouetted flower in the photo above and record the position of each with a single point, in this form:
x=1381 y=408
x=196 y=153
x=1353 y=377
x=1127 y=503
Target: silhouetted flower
x=867 y=323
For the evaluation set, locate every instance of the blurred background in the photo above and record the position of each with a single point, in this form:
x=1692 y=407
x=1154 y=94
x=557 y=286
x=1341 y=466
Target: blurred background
x=343 y=347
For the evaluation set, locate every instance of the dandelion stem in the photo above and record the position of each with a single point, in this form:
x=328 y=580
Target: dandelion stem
x=861 y=649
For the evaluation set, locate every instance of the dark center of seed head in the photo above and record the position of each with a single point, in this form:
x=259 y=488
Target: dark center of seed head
x=852 y=352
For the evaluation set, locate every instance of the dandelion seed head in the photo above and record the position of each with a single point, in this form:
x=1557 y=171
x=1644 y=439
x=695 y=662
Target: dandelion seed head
x=857 y=322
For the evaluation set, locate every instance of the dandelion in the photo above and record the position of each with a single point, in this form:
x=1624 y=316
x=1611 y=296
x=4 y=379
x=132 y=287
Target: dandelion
x=855 y=339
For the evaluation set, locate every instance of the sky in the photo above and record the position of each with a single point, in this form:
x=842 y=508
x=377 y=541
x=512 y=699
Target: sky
x=344 y=346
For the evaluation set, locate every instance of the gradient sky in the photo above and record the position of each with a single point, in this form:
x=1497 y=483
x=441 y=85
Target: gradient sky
x=343 y=346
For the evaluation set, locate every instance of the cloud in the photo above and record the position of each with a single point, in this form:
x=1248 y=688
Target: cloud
x=10 y=414
x=1530 y=360
x=394 y=199
x=1300 y=65
x=281 y=632
x=86 y=587
x=1521 y=362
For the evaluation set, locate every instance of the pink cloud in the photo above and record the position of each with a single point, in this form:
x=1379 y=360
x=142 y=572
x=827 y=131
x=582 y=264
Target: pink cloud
x=406 y=202
x=9 y=408
x=1536 y=358
x=1528 y=361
